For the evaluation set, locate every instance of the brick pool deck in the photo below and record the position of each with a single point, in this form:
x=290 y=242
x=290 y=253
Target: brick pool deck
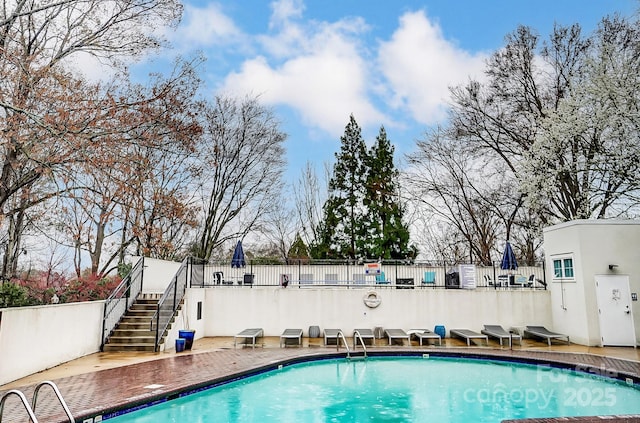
x=92 y=393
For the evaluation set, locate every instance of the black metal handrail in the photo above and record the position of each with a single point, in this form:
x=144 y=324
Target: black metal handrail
x=117 y=304
x=169 y=302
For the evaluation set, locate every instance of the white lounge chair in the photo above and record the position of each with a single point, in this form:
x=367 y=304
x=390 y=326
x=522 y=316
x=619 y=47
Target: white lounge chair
x=424 y=334
x=249 y=334
x=330 y=334
x=544 y=333
x=468 y=335
x=291 y=334
x=395 y=334
x=366 y=335
x=498 y=332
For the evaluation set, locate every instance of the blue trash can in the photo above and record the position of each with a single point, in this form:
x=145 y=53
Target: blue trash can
x=188 y=336
x=180 y=344
x=440 y=330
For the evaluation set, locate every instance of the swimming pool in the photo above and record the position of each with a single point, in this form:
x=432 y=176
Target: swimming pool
x=399 y=389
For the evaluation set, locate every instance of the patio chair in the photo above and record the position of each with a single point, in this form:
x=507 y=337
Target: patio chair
x=331 y=334
x=488 y=280
x=429 y=278
x=359 y=278
x=498 y=332
x=291 y=335
x=306 y=279
x=247 y=279
x=424 y=334
x=381 y=279
x=249 y=334
x=468 y=335
x=544 y=333
x=331 y=279
x=532 y=281
x=397 y=334
x=367 y=335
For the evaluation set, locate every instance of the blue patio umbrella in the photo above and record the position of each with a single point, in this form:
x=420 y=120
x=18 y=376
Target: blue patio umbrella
x=238 y=256
x=508 y=258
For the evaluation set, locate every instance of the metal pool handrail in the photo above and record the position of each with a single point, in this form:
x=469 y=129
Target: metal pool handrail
x=58 y=394
x=24 y=401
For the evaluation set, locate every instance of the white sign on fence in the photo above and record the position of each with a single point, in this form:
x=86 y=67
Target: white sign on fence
x=372 y=268
x=467 y=276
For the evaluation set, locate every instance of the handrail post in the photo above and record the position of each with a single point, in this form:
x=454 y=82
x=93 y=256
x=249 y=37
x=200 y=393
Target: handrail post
x=142 y=274
x=104 y=325
x=155 y=348
x=58 y=394
x=26 y=405
x=175 y=291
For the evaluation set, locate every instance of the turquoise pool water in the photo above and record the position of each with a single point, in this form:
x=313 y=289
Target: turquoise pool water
x=399 y=390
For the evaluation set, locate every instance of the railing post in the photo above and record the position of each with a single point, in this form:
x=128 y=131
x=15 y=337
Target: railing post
x=142 y=274
x=155 y=348
x=104 y=325
x=175 y=291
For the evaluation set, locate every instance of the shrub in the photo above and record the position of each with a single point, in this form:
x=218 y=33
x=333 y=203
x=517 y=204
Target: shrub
x=14 y=295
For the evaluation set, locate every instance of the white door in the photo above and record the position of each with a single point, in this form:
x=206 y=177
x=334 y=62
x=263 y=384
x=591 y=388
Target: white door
x=614 y=310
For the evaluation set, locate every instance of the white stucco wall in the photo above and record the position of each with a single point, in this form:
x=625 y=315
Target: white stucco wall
x=227 y=311
x=594 y=244
x=158 y=275
x=37 y=338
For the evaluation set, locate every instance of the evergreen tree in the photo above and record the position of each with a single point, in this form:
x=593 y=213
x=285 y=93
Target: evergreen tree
x=387 y=237
x=298 y=250
x=342 y=228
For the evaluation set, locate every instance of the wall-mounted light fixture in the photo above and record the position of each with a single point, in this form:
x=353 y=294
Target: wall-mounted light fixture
x=612 y=266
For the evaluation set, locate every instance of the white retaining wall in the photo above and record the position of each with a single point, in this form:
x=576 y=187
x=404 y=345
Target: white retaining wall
x=227 y=311
x=36 y=338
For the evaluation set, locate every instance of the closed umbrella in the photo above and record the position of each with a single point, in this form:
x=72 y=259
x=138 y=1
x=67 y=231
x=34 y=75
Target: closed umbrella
x=238 y=256
x=509 y=261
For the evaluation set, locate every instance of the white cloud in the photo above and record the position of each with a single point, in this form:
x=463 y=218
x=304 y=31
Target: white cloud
x=420 y=65
x=323 y=72
x=203 y=27
x=319 y=72
x=284 y=10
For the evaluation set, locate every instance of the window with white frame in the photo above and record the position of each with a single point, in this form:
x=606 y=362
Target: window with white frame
x=563 y=268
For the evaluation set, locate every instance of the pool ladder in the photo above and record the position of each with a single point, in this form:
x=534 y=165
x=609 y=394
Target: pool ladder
x=30 y=409
x=356 y=335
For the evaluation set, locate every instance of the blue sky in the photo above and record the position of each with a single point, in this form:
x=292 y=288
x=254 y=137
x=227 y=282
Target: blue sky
x=387 y=62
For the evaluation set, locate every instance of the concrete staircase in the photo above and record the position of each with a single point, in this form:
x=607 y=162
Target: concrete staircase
x=132 y=332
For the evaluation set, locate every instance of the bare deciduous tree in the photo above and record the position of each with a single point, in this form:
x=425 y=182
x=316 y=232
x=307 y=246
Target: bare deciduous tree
x=241 y=161
x=46 y=121
x=449 y=182
x=309 y=195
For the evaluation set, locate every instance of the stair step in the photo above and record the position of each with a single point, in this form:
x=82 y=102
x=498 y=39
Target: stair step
x=129 y=347
x=151 y=339
x=134 y=325
x=140 y=312
x=149 y=297
x=125 y=332
x=139 y=306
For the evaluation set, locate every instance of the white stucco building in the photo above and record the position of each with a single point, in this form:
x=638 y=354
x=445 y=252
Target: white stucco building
x=593 y=274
